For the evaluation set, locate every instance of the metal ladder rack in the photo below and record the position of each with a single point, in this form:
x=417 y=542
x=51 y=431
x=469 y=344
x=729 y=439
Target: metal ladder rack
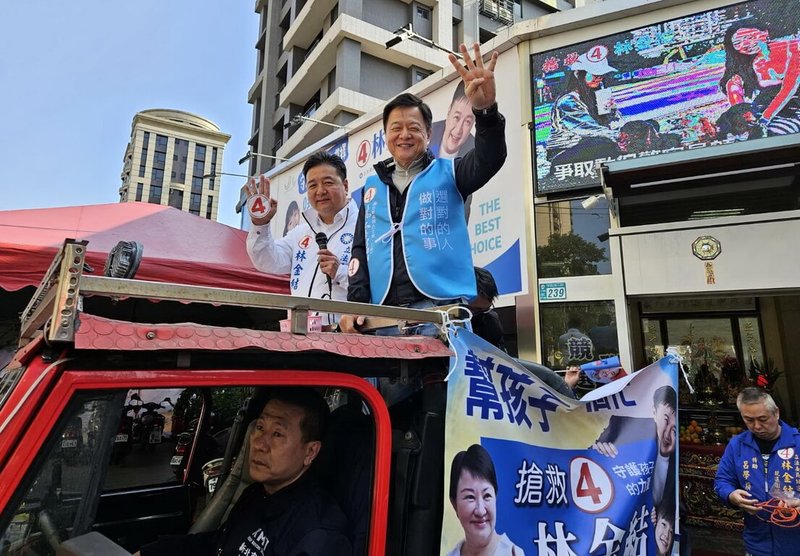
x=54 y=308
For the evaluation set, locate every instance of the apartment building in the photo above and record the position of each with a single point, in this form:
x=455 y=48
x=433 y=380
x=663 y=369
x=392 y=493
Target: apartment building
x=323 y=63
x=172 y=159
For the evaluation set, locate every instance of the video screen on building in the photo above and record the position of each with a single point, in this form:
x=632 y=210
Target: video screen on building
x=712 y=78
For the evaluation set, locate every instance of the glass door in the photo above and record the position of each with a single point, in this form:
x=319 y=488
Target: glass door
x=718 y=351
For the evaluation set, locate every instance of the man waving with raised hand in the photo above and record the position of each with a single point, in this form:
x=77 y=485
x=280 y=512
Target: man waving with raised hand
x=316 y=268
x=411 y=244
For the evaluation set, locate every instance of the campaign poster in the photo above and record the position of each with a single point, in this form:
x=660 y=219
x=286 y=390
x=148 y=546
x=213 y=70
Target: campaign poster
x=495 y=213
x=537 y=473
x=712 y=78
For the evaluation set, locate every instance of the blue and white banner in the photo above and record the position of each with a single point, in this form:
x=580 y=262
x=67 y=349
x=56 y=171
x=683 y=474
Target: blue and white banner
x=534 y=472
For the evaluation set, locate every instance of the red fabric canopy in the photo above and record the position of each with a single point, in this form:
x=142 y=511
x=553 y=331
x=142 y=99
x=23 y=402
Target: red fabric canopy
x=178 y=247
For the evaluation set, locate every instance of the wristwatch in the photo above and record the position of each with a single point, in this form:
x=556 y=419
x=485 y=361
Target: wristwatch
x=491 y=109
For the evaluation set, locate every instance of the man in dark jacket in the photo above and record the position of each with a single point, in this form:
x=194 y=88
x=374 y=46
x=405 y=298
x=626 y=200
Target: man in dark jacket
x=284 y=512
x=411 y=245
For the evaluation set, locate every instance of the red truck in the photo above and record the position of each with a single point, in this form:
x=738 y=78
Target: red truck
x=74 y=481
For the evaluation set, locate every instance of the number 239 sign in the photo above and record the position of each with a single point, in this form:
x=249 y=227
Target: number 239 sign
x=553 y=291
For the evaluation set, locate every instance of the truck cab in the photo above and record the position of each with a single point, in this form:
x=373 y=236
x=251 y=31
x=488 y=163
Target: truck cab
x=107 y=421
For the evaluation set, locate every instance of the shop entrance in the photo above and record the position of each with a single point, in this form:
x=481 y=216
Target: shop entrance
x=721 y=349
x=727 y=343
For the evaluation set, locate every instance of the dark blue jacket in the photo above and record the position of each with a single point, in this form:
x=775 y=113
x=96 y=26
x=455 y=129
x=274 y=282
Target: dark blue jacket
x=741 y=467
x=301 y=519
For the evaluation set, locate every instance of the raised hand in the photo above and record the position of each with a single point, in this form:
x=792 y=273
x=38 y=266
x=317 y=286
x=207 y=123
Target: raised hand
x=478 y=79
x=261 y=210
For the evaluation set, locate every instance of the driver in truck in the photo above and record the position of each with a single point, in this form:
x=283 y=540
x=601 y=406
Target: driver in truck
x=285 y=510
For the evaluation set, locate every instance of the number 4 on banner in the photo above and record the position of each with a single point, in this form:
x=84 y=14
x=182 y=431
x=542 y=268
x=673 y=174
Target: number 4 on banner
x=592 y=488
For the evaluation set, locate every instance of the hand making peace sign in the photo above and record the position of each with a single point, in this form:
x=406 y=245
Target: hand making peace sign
x=478 y=79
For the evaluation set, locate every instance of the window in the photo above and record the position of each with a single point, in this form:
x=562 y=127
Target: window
x=209 y=207
x=572 y=240
x=200 y=152
x=155 y=194
x=161 y=143
x=419 y=75
x=139 y=189
x=176 y=198
x=127 y=463
x=157 y=176
x=59 y=487
x=720 y=340
x=577 y=333
x=423 y=12
x=194 y=203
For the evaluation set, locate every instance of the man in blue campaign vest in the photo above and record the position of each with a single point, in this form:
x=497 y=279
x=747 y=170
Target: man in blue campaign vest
x=762 y=464
x=411 y=245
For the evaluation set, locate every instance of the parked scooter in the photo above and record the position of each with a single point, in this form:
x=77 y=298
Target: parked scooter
x=212 y=446
x=151 y=425
x=124 y=439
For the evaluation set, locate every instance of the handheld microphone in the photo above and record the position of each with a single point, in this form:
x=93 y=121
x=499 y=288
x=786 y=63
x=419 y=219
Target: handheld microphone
x=322 y=242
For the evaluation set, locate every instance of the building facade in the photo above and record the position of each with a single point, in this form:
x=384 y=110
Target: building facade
x=173 y=158
x=323 y=63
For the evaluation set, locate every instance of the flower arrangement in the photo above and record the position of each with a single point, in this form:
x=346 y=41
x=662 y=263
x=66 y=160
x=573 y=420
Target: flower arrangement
x=764 y=375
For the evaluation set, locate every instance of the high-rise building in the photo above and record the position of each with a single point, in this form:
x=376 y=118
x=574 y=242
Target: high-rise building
x=328 y=60
x=173 y=158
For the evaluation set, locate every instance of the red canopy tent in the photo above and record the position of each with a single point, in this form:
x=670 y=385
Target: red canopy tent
x=178 y=247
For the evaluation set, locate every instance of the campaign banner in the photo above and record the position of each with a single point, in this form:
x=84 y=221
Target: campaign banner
x=713 y=78
x=537 y=473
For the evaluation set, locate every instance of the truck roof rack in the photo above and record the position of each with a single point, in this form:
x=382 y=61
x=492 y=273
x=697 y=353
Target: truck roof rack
x=54 y=308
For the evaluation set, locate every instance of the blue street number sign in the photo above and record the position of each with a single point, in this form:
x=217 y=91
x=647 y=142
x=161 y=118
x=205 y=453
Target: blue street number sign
x=553 y=291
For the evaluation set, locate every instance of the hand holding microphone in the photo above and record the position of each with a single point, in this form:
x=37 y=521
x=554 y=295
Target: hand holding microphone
x=328 y=262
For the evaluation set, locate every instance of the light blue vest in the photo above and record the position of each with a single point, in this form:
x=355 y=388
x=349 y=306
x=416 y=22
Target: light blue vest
x=433 y=232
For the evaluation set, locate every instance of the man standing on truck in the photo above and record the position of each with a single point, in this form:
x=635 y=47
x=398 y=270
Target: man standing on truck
x=284 y=511
x=411 y=243
x=315 y=253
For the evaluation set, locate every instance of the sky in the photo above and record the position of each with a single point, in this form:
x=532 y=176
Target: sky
x=75 y=73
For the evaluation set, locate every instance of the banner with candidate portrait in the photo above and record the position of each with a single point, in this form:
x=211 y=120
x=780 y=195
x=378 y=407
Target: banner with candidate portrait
x=530 y=471
x=713 y=78
x=495 y=213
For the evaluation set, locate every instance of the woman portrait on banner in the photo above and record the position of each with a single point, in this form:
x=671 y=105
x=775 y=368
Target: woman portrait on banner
x=473 y=494
x=585 y=113
x=764 y=73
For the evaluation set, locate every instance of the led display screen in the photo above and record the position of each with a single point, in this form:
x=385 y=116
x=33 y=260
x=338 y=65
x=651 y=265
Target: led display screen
x=712 y=78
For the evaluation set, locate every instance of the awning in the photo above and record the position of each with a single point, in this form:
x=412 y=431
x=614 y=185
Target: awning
x=178 y=247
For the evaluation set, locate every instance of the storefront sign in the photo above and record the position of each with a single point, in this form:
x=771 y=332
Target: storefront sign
x=713 y=78
x=539 y=464
x=553 y=291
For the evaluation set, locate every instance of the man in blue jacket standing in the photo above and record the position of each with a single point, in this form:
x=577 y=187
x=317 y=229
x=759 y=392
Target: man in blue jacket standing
x=411 y=245
x=760 y=464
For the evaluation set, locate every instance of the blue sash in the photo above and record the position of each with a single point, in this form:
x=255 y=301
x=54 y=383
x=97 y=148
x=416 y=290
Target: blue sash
x=433 y=231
